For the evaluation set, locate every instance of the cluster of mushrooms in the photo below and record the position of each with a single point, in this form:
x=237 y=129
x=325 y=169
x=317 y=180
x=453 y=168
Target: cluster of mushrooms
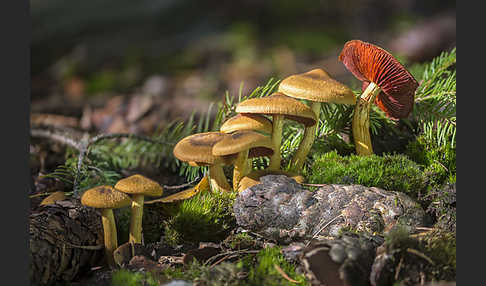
x=257 y=128
x=257 y=131
x=127 y=191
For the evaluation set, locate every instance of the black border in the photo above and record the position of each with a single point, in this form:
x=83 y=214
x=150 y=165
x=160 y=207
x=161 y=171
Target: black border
x=15 y=29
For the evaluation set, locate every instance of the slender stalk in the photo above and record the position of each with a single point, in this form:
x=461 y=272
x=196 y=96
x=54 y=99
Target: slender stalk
x=136 y=219
x=218 y=179
x=110 y=237
x=361 y=120
x=307 y=141
x=278 y=121
x=241 y=168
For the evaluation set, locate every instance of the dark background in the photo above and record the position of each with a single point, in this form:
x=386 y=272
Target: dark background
x=193 y=51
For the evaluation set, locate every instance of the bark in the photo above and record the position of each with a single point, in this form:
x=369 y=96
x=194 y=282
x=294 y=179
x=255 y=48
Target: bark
x=66 y=240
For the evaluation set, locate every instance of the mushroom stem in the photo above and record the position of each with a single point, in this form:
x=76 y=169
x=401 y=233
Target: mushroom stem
x=361 y=120
x=218 y=179
x=241 y=168
x=136 y=219
x=110 y=237
x=278 y=121
x=307 y=141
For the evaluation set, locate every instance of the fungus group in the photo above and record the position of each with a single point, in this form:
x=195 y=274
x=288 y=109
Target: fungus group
x=384 y=81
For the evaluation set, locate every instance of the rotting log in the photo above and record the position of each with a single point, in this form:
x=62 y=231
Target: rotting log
x=66 y=240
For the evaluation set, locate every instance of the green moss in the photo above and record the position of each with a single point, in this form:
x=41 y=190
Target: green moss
x=205 y=217
x=126 y=278
x=240 y=241
x=262 y=271
x=389 y=172
x=439 y=162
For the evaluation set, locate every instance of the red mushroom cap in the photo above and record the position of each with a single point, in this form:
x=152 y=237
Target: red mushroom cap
x=370 y=63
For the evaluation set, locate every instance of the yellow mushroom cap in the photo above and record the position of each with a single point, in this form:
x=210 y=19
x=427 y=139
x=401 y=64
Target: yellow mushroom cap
x=139 y=185
x=105 y=197
x=279 y=104
x=196 y=149
x=317 y=85
x=247 y=121
x=253 y=177
x=257 y=144
x=52 y=198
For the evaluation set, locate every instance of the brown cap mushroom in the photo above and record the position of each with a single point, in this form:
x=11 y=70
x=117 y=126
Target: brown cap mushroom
x=279 y=106
x=138 y=186
x=385 y=79
x=196 y=149
x=316 y=86
x=246 y=144
x=52 y=198
x=253 y=178
x=247 y=121
x=106 y=198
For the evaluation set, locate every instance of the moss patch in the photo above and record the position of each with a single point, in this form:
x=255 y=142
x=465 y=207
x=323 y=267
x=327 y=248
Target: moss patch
x=205 y=217
x=439 y=162
x=127 y=278
x=389 y=172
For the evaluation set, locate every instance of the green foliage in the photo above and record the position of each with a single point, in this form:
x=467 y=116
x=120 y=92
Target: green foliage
x=204 y=217
x=390 y=172
x=435 y=99
x=261 y=268
x=438 y=161
x=124 y=277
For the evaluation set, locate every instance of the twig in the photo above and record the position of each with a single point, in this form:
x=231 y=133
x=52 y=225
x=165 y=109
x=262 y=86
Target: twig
x=418 y=253
x=326 y=225
x=237 y=252
x=180 y=186
x=284 y=275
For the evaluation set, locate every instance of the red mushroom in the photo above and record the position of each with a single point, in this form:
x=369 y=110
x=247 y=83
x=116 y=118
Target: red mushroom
x=385 y=82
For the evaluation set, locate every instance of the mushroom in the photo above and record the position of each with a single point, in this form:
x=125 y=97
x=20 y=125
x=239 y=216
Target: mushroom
x=279 y=106
x=316 y=86
x=255 y=122
x=106 y=198
x=196 y=149
x=245 y=144
x=249 y=121
x=253 y=178
x=138 y=186
x=385 y=82
x=52 y=198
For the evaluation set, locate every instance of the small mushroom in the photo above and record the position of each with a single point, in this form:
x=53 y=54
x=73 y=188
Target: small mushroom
x=253 y=178
x=52 y=198
x=255 y=122
x=316 y=86
x=245 y=144
x=279 y=106
x=249 y=121
x=138 y=186
x=196 y=149
x=106 y=198
x=385 y=82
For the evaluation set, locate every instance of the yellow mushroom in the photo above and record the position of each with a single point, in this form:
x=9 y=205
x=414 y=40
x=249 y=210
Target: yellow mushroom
x=138 y=186
x=316 y=86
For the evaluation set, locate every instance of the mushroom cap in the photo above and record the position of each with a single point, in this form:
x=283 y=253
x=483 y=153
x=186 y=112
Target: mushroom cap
x=370 y=63
x=52 y=198
x=317 y=85
x=247 y=121
x=197 y=149
x=279 y=104
x=257 y=144
x=139 y=185
x=253 y=177
x=105 y=197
